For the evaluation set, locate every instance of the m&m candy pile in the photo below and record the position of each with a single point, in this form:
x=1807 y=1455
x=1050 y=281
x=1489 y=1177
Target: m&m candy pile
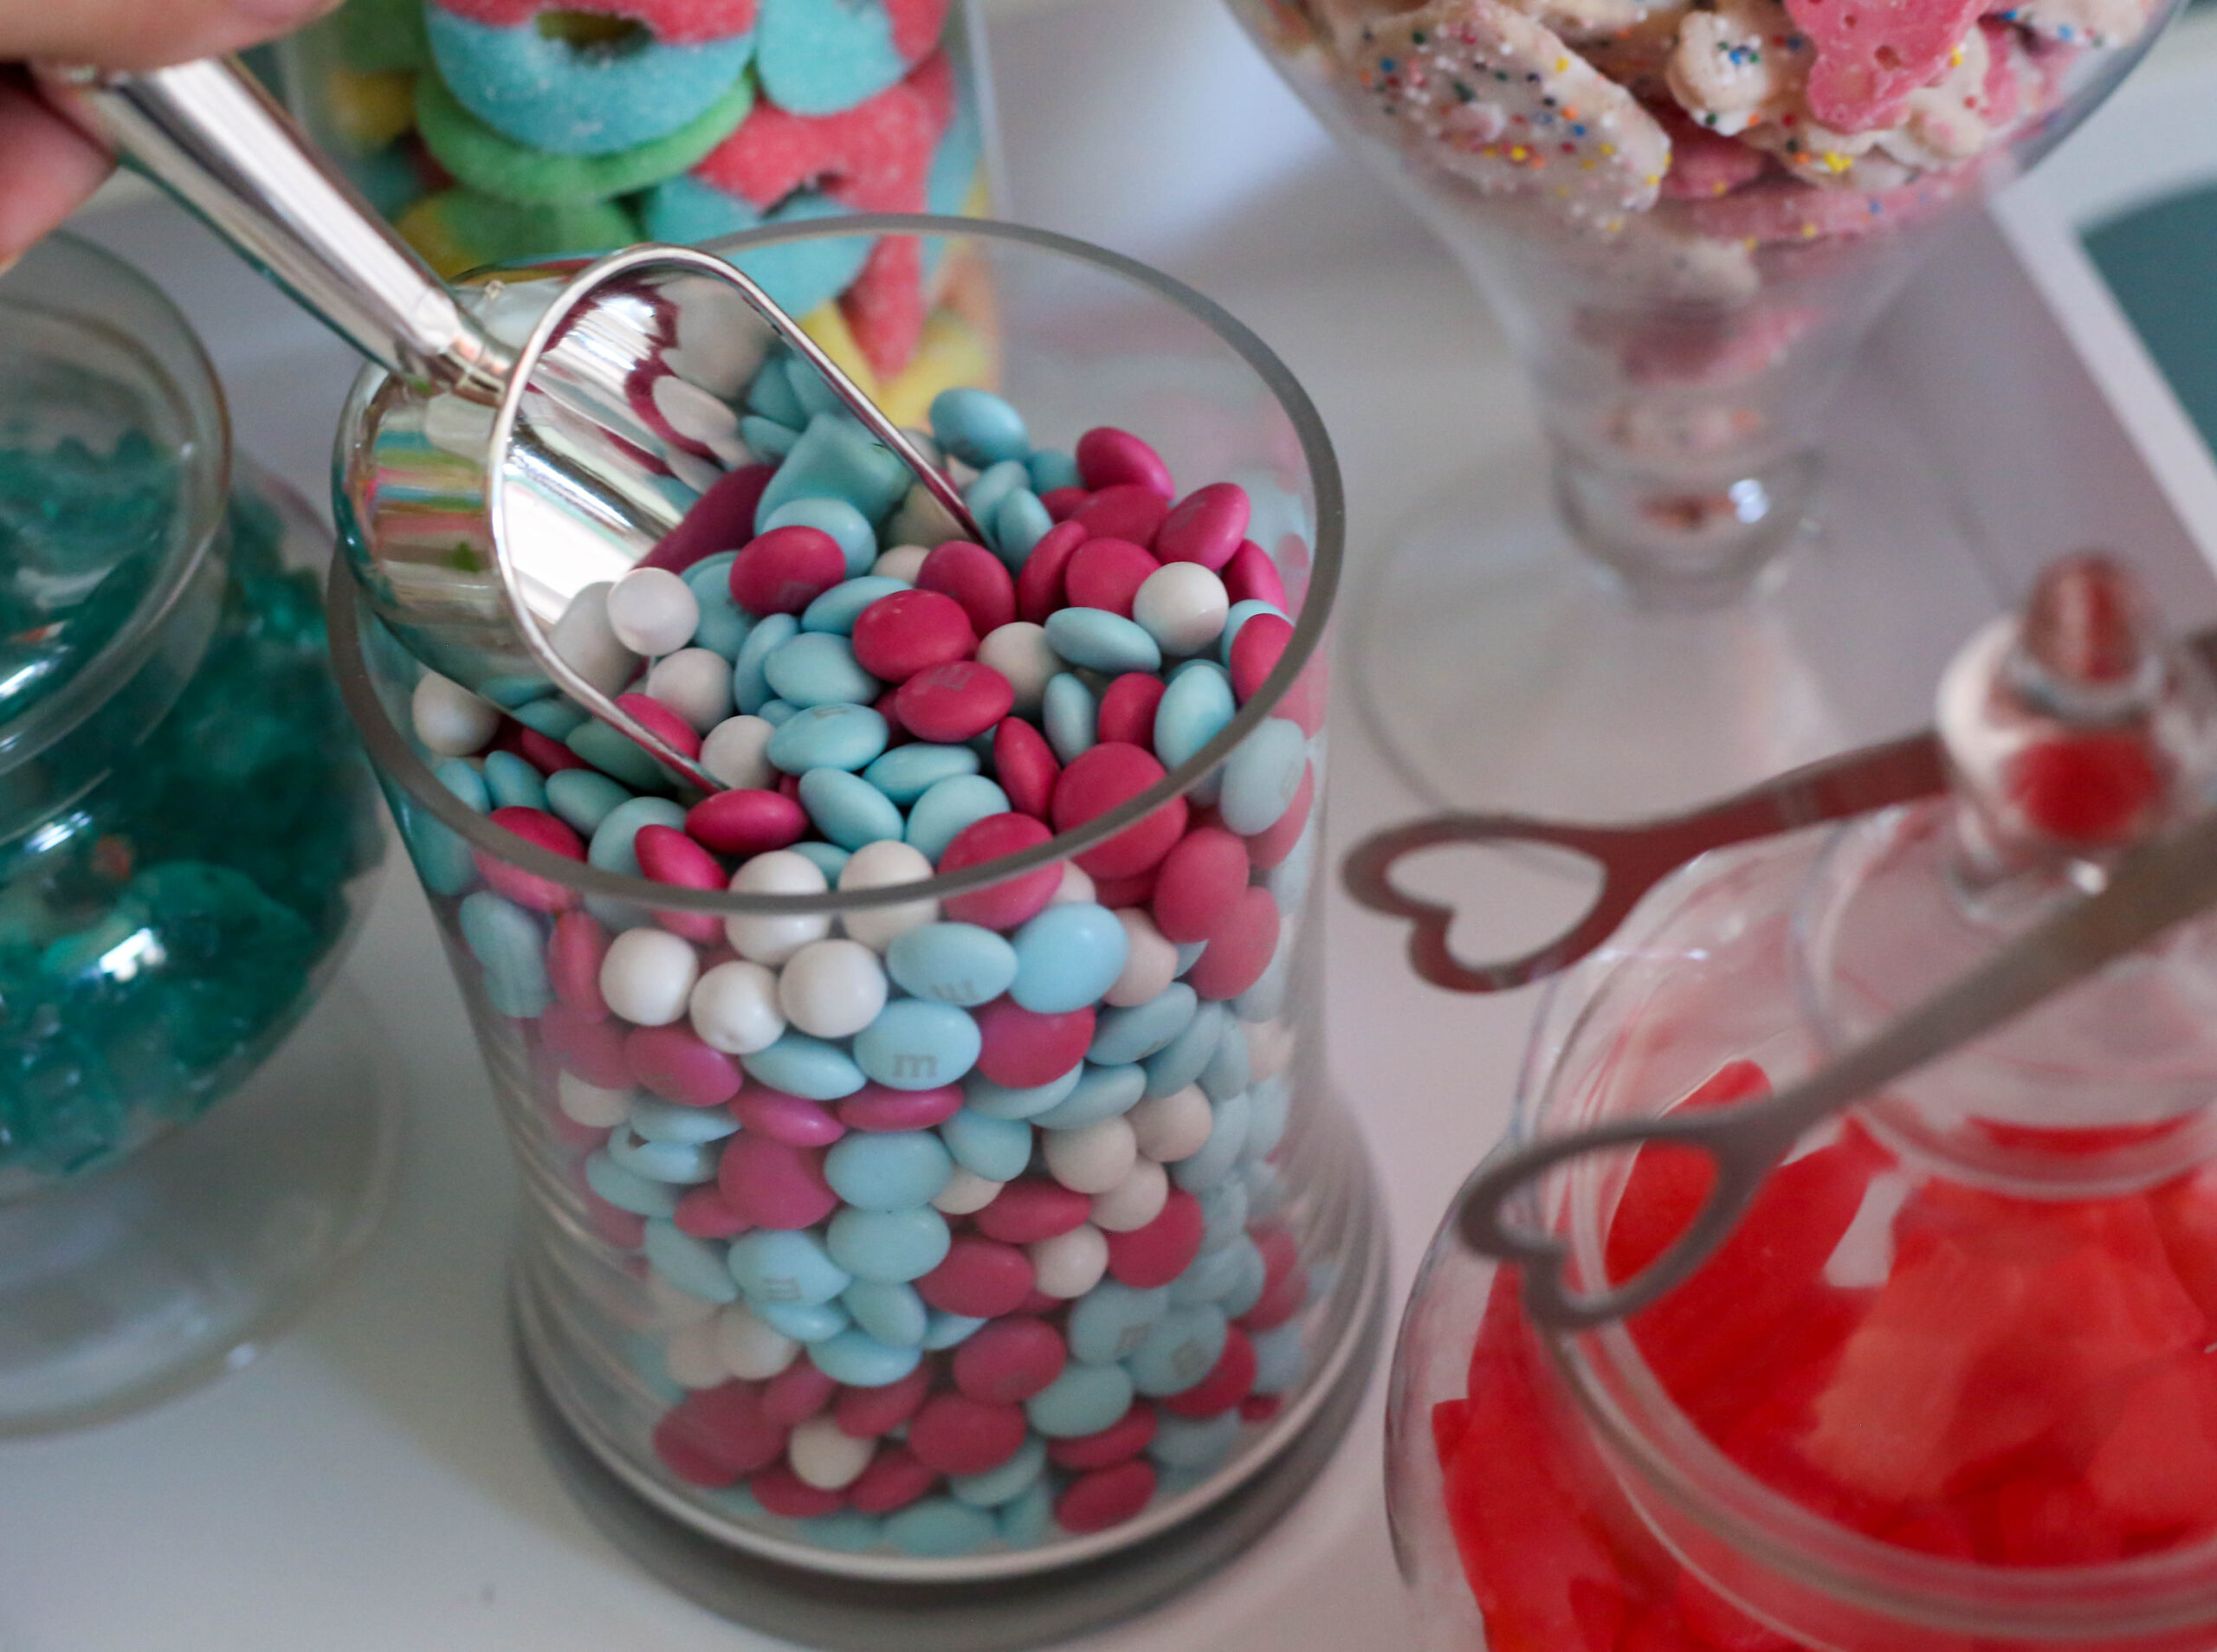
x=959 y=1218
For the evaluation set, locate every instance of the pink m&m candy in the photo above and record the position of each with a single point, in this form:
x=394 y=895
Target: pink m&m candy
x=1107 y=457
x=747 y=821
x=1285 y=1284
x=668 y=856
x=660 y=721
x=1039 y=589
x=793 y=1119
x=1208 y=527
x=784 y=571
x=1008 y=1362
x=1127 y=709
x=546 y=755
x=866 y=1413
x=1025 y=765
x=1106 y=1497
x=542 y=830
x=878 y=1109
x=783 y=1492
x=1200 y=880
x=1147 y=1257
x=797 y=1393
x=1128 y=512
x=893 y=1480
x=1009 y=902
x=973 y=578
x=980 y=1279
x=1032 y=1208
x=574 y=953
x=1123 y=1440
x=1063 y=503
x=1251 y=577
x=958 y=1434
x=1107 y=573
x=951 y=702
x=720 y=519
x=1239 y=949
x=1020 y=1048
x=706 y=1214
x=775 y=1185
x=1108 y=775
x=1255 y=653
x=898 y=636
x=591 y=1047
x=675 y=1065
x=714 y=1436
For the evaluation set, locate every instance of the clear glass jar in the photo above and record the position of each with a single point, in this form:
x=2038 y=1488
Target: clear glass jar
x=665 y=1368
x=1945 y=1385
x=186 y=838
x=494 y=131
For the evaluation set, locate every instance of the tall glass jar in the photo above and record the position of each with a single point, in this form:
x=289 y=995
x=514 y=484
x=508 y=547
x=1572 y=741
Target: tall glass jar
x=984 y=1440
x=493 y=130
x=186 y=839
x=1947 y=1384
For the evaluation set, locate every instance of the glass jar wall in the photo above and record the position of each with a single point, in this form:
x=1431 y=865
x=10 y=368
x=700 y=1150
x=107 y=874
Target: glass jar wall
x=961 y=1395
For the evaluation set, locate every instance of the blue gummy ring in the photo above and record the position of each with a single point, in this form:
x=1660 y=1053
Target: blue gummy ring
x=566 y=99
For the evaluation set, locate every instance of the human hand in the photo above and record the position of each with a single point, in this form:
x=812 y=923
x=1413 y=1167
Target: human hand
x=47 y=165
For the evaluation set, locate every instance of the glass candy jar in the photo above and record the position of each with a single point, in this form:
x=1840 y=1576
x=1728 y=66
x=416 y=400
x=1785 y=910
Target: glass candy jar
x=494 y=131
x=1947 y=1384
x=900 y=1266
x=185 y=839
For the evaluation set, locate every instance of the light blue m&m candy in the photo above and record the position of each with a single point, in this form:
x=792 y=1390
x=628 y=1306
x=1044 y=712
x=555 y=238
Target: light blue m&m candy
x=818 y=669
x=1071 y=715
x=907 y=772
x=979 y=429
x=860 y=1360
x=509 y=945
x=1219 y=1155
x=939 y=817
x=789 y=1268
x=997 y=1149
x=1068 y=957
x=847 y=808
x=888 y=1171
x=836 y=736
x=1181 y=1061
x=693 y=1266
x=750 y=688
x=1113 y=1320
x=1011 y=1480
x=917 y=1045
x=837 y=608
x=951 y=963
x=939 y=1527
x=891 y=1247
x=1102 y=641
x=1139 y=1030
x=1084 y=1399
x=1261 y=777
x=894 y=1315
x=849 y=528
x=1100 y=1092
x=1179 y=1350
x=802 y=1066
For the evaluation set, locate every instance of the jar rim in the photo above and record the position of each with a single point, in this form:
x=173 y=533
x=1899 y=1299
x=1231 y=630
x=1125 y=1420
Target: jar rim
x=112 y=667
x=396 y=756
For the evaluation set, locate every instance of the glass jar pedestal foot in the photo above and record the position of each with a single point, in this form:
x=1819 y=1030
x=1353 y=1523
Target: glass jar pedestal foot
x=175 y=1266
x=1501 y=665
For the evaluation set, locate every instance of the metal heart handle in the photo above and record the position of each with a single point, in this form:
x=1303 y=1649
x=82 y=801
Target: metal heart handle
x=1742 y=1144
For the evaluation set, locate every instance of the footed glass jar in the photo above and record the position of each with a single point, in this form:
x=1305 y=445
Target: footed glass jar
x=496 y=131
x=185 y=841
x=1949 y=1384
x=939 y=1232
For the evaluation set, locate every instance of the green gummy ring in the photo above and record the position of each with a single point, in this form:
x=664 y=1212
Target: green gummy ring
x=507 y=170
x=461 y=229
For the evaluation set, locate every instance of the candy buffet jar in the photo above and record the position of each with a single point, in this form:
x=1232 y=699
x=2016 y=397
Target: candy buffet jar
x=924 y=1414
x=491 y=131
x=1948 y=1383
x=185 y=840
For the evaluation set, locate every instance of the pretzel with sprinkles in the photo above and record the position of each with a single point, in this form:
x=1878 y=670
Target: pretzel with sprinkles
x=1495 y=97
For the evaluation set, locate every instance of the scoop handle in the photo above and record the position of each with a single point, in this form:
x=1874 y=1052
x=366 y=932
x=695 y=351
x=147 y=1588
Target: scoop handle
x=210 y=135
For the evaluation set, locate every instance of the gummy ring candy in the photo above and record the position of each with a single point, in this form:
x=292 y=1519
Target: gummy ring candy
x=817 y=57
x=498 y=165
x=458 y=230
x=680 y=23
x=580 y=97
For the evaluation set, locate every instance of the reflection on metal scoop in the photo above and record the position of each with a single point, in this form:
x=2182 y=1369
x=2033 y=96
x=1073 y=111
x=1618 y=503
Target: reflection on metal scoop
x=583 y=473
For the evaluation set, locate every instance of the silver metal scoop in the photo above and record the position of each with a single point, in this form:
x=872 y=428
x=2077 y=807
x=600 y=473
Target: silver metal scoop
x=589 y=460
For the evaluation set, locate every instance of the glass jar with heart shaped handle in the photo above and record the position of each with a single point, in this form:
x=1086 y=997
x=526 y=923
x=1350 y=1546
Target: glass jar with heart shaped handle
x=498 y=131
x=1947 y=1384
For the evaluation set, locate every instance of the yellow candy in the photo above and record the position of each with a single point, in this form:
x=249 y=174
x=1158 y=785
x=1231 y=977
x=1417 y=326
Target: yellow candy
x=370 y=110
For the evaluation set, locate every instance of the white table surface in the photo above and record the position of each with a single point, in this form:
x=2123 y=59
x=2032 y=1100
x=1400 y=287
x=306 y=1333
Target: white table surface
x=367 y=1484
